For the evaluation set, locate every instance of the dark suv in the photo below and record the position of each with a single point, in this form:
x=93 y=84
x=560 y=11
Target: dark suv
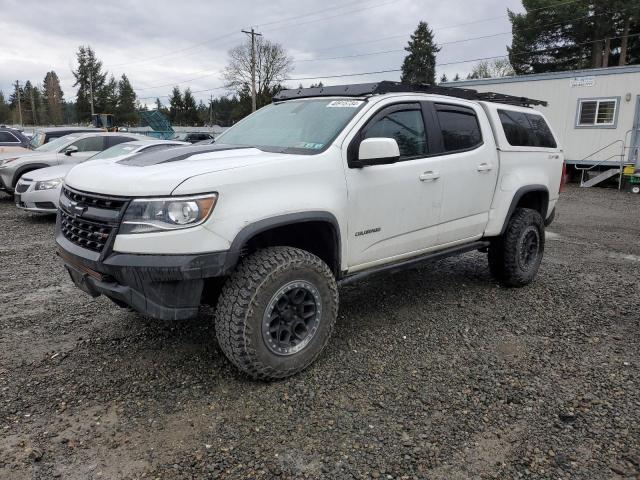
x=193 y=137
x=45 y=135
x=12 y=140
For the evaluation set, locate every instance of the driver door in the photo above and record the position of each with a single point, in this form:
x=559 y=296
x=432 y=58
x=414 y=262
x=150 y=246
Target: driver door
x=87 y=147
x=394 y=209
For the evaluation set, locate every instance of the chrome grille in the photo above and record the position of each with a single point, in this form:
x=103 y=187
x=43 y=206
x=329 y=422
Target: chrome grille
x=91 y=235
x=89 y=220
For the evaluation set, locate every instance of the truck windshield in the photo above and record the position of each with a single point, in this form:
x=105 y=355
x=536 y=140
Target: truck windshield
x=295 y=126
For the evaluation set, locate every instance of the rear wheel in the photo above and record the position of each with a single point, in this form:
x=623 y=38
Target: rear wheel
x=514 y=257
x=276 y=312
x=635 y=189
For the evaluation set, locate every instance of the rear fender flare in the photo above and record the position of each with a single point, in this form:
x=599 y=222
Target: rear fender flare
x=521 y=192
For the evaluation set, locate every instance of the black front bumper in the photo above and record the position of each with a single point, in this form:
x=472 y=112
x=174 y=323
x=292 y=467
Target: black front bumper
x=166 y=287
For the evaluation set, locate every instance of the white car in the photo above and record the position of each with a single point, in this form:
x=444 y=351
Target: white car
x=39 y=190
x=325 y=186
x=70 y=149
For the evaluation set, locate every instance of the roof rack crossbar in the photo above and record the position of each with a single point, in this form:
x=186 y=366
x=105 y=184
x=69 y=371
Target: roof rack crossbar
x=379 y=88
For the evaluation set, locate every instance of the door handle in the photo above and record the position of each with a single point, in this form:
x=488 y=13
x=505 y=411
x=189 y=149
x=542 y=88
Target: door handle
x=429 y=175
x=484 y=167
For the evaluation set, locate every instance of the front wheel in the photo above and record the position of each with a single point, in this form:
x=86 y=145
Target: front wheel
x=276 y=312
x=514 y=257
x=635 y=189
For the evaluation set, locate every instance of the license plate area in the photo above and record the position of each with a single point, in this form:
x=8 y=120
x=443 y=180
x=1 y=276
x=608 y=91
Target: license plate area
x=81 y=281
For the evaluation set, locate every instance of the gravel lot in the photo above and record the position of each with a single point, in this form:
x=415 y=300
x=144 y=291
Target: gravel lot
x=436 y=373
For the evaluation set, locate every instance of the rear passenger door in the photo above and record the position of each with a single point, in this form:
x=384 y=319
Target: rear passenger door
x=468 y=170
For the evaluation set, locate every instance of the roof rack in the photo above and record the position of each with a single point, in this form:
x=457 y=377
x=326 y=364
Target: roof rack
x=379 y=88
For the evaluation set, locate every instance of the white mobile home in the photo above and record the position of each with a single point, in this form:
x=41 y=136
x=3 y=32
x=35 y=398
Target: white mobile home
x=595 y=113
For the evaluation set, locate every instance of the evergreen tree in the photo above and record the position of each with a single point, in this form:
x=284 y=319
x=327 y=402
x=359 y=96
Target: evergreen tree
x=443 y=78
x=175 y=106
x=5 y=111
x=16 y=103
x=554 y=36
x=126 y=102
x=190 y=108
x=456 y=78
x=30 y=103
x=419 y=65
x=52 y=97
x=109 y=96
x=89 y=77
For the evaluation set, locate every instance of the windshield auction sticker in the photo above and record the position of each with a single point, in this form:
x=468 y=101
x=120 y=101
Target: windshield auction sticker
x=345 y=103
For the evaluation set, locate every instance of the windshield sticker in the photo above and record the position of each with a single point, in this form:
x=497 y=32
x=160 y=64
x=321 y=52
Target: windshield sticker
x=309 y=145
x=345 y=103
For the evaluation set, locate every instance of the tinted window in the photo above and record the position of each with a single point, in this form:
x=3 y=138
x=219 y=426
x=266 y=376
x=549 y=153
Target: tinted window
x=6 y=137
x=90 y=144
x=517 y=129
x=526 y=129
x=406 y=127
x=541 y=131
x=459 y=126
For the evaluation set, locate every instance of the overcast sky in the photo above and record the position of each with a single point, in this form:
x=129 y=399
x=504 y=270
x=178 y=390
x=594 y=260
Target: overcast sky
x=164 y=43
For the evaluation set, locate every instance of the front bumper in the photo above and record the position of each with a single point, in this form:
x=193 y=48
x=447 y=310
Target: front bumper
x=165 y=287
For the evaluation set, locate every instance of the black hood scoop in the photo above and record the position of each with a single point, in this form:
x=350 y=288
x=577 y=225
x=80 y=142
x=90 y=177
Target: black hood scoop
x=147 y=159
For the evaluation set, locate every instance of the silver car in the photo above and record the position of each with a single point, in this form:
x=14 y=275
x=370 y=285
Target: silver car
x=70 y=149
x=39 y=190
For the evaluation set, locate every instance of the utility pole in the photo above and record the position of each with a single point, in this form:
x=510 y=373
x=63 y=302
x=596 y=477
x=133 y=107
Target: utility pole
x=33 y=108
x=253 y=66
x=19 y=102
x=91 y=92
x=211 y=110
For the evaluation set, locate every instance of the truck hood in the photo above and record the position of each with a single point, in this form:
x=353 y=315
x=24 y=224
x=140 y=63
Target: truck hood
x=159 y=173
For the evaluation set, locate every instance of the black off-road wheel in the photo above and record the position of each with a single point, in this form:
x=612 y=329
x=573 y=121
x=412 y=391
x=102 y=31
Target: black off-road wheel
x=514 y=257
x=276 y=312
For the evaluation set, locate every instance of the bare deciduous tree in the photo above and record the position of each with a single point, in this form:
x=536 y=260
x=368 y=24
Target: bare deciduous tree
x=272 y=66
x=500 y=67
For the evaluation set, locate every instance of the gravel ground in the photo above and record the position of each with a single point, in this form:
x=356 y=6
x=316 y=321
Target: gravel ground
x=435 y=373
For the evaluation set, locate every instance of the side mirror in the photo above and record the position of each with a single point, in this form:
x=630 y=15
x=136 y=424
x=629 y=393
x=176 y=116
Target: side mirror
x=70 y=150
x=377 y=151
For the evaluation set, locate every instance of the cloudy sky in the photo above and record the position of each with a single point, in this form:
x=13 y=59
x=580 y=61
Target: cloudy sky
x=163 y=43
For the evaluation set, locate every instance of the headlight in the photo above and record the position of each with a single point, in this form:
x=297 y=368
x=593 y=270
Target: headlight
x=49 y=184
x=159 y=214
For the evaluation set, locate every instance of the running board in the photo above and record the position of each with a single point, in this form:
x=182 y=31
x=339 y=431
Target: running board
x=413 y=262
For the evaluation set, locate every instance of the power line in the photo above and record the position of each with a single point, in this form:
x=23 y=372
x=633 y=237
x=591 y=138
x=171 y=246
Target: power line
x=588 y=17
x=210 y=40
x=551 y=49
x=332 y=8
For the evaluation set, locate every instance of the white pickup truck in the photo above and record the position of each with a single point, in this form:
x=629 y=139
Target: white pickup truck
x=322 y=187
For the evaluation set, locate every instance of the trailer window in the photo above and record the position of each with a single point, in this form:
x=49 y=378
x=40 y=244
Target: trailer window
x=597 y=112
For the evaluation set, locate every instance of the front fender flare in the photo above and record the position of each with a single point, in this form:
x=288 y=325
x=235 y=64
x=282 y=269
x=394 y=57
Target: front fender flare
x=253 y=229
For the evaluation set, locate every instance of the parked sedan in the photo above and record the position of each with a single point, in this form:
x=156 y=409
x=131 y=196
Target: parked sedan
x=70 y=149
x=38 y=191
